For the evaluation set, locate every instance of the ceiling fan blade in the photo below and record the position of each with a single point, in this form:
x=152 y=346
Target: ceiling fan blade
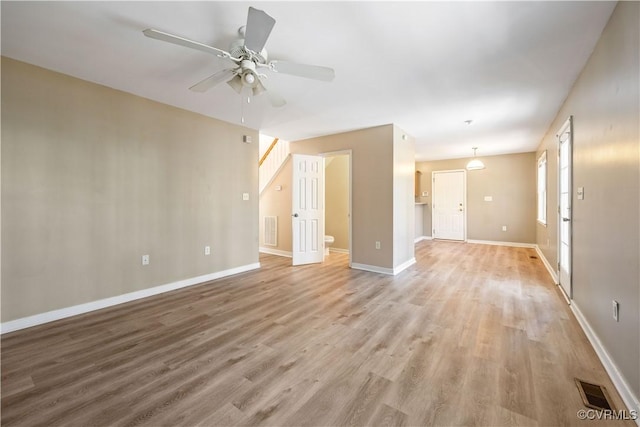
x=181 y=41
x=259 y=26
x=275 y=99
x=315 y=72
x=212 y=80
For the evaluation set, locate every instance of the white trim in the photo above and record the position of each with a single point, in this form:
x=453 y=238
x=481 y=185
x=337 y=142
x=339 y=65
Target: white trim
x=339 y=250
x=564 y=294
x=552 y=273
x=372 y=268
x=497 y=243
x=399 y=269
x=390 y=271
x=50 y=316
x=625 y=391
x=277 y=252
x=421 y=238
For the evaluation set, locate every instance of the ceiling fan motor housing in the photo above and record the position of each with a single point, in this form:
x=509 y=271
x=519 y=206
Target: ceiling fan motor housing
x=238 y=50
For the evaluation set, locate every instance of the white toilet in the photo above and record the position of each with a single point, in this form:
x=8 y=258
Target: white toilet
x=328 y=240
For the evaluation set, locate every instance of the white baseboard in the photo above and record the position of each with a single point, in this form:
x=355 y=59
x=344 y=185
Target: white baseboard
x=372 y=268
x=399 y=269
x=339 y=250
x=629 y=398
x=546 y=263
x=50 y=316
x=421 y=238
x=277 y=252
x=497 y=243
x=384 y=270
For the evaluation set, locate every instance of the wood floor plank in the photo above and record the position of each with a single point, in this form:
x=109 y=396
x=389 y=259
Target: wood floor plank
x=469 y=335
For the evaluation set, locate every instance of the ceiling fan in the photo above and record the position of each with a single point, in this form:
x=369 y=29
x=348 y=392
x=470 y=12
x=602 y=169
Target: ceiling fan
x=248 y=56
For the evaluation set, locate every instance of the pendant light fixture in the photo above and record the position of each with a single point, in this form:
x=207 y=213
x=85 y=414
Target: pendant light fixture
x=475 y=163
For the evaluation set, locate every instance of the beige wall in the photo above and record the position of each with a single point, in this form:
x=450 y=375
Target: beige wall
x=509 y=179
x=277 y=203
x=372 y=200
x=373 y=158
x=93 y=178
x=337 y=200
x=604 y=103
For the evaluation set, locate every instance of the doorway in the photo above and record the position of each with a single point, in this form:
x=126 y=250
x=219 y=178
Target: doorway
x=449 y=212
x=338 y=201
x=565 y=167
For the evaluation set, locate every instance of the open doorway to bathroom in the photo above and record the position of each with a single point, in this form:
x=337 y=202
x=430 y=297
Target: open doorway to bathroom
x=338 y=205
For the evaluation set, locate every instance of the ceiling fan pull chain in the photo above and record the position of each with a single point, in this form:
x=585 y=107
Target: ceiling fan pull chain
x=241 y=110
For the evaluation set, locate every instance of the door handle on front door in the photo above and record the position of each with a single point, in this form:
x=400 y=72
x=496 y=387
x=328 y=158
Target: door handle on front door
x=566 y=219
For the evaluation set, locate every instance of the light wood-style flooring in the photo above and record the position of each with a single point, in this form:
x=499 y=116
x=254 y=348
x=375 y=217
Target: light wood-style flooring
x=470 y=335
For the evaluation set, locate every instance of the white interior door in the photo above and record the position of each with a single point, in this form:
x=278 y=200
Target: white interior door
x=564 y=209
x=308 y=209
x=448 y=205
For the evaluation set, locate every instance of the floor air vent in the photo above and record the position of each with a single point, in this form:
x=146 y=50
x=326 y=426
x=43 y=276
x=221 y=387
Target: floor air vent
x=594 y=396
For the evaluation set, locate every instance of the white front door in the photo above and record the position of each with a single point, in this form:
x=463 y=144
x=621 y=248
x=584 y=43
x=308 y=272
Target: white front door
x=448 y=207
x=565 y=141
x=308 y=209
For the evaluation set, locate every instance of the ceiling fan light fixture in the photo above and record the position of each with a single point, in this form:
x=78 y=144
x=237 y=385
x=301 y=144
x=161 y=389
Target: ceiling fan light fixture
x=249 y=78
x=258 y=89
x=236 y=83
x=475 y=163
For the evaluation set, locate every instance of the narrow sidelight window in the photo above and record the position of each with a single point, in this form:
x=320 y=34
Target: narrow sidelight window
x=542 y=188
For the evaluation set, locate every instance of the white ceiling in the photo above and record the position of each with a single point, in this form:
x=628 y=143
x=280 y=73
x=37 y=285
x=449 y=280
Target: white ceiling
x=425 y=66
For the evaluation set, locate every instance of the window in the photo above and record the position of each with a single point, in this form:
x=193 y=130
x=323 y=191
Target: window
x=542 y=188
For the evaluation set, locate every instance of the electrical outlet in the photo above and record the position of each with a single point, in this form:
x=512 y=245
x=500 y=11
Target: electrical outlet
x=616 y=310
x=207 y=250
x=377 y=245
x=245 y=196
x=504 y=228
x=145 y=259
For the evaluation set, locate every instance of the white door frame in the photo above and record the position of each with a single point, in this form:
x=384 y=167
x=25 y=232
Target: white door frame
x=567 y=288
x=464 y=198
x=349 y=153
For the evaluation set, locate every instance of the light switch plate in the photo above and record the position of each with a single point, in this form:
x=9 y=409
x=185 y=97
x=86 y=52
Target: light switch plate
x=488 y=198
x=580 y=193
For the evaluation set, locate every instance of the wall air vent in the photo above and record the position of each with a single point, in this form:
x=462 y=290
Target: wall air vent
x=271 y=231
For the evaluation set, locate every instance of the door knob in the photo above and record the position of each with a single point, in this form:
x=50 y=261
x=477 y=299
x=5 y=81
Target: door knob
x=295 y=215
